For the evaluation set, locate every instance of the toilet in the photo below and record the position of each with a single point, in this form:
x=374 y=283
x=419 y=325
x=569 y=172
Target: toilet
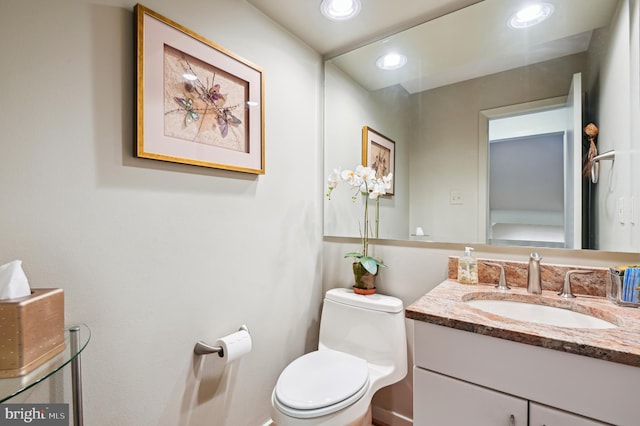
x=362 y=348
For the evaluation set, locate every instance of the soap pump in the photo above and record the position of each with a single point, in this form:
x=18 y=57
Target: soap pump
x=467 y=268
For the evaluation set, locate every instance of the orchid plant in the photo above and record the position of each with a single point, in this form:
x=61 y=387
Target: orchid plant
x=366 y=184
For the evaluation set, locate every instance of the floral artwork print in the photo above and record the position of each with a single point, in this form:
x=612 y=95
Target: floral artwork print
x=380 y=160
x=378 y=152
x=203 y=104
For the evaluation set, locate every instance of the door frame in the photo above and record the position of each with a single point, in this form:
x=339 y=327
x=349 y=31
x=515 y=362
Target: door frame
x=483 y=149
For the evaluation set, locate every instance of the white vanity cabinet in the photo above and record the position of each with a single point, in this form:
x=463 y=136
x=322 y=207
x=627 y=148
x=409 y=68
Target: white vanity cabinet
x=466 y=378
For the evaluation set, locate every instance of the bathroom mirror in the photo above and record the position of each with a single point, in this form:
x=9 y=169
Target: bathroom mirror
x=463 y=70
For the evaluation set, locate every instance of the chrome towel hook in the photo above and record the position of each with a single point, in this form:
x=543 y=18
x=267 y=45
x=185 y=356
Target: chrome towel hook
x=595 y=164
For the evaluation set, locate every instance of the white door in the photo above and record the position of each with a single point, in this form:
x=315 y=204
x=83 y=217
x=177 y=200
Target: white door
x=573 y=166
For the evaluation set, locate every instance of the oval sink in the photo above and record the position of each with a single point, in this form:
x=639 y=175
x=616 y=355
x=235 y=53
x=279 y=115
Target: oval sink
x=541 y=314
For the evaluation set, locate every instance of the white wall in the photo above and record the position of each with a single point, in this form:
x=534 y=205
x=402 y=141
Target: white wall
x=618 y=100
x=154 y=256
x=634 y=155
x=444 y=154
x=352 y=107
x=528 y=124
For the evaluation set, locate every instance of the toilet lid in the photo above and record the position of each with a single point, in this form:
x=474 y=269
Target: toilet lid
x=321 y=379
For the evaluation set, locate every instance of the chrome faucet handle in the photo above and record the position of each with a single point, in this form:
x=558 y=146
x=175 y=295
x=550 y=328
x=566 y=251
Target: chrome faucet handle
x=566 y=292
x=502 y=283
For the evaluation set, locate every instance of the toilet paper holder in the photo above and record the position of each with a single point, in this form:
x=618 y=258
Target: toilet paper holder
x=202 y=348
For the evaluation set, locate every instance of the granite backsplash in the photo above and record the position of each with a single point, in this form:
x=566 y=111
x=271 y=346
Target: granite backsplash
x=593 y=284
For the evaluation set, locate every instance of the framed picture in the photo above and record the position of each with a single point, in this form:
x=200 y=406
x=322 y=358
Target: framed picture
x=197 y=103
x=379 y=153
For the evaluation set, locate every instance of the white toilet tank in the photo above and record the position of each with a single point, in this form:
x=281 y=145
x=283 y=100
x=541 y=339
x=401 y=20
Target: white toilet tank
x=370 y=327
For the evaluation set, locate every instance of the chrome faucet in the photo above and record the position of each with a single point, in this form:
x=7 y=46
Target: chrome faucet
x=534 y=279
x=502 y=282
x=566 y=288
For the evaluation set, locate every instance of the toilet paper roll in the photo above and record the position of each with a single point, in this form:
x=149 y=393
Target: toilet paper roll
x=235 y=345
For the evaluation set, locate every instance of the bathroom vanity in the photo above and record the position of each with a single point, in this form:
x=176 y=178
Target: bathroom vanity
x=476 y=367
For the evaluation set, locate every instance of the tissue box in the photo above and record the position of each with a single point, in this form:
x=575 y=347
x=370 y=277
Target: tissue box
x=31 y=331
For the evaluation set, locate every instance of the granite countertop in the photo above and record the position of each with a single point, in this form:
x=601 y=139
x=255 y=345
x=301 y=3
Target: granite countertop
x=445 y=305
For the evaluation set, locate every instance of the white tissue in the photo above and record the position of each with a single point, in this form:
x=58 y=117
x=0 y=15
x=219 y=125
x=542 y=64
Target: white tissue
x=13 y=281
x=419 y=231
x=235 y=345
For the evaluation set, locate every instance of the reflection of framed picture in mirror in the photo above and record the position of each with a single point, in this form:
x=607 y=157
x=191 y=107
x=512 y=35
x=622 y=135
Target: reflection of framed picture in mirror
x=378 y=152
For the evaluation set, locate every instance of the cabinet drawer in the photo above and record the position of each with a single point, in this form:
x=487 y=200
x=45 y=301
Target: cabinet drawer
x=443 y=401
x=541 y=415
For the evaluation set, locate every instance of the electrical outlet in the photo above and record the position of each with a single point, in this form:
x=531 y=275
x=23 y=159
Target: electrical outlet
x=455 y=197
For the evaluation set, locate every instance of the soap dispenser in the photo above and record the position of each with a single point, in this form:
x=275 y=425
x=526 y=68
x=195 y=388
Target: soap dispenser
x=467 y=268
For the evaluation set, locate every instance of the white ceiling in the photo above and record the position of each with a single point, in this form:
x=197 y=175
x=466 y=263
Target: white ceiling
x=472 y=42
x=377 y=19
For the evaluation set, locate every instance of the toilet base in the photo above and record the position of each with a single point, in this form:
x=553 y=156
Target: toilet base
x=366 y=420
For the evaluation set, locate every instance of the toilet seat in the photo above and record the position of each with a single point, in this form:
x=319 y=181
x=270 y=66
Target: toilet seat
x=321 y=383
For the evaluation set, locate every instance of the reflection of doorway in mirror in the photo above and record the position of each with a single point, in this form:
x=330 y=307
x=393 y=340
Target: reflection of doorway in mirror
x=526 y=199
x=526 y=179
x=526 y=119
x=380 y=160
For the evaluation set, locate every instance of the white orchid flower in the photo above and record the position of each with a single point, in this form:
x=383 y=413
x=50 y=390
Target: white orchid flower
x=378 y=189
x=334 y=178
x=332 y=181
x=387 y=180
x=367 y=174
x=351 y=178
x=365 y=183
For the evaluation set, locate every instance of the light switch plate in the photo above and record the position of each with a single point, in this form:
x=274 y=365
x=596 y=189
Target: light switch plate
x=455 y=197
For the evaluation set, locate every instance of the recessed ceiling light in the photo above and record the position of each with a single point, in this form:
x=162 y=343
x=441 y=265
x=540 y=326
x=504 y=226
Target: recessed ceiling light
x=531 y=14
x=391 y=61
x=340 y=10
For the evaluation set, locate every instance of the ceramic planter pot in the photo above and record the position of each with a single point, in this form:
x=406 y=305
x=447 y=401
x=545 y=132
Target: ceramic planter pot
x=365 y=281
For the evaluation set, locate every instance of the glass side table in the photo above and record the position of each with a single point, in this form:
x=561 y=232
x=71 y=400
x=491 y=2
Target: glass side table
x=76 y=339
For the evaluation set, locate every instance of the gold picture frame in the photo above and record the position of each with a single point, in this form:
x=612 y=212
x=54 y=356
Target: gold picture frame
x=379 y=153
x=197 y=103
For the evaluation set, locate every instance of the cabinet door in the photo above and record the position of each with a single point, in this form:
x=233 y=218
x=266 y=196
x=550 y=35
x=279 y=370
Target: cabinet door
x=542 y=415
x=443 y=401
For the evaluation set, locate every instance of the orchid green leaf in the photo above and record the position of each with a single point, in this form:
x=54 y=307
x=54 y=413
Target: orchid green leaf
x=369 y=264
x=354 y=254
